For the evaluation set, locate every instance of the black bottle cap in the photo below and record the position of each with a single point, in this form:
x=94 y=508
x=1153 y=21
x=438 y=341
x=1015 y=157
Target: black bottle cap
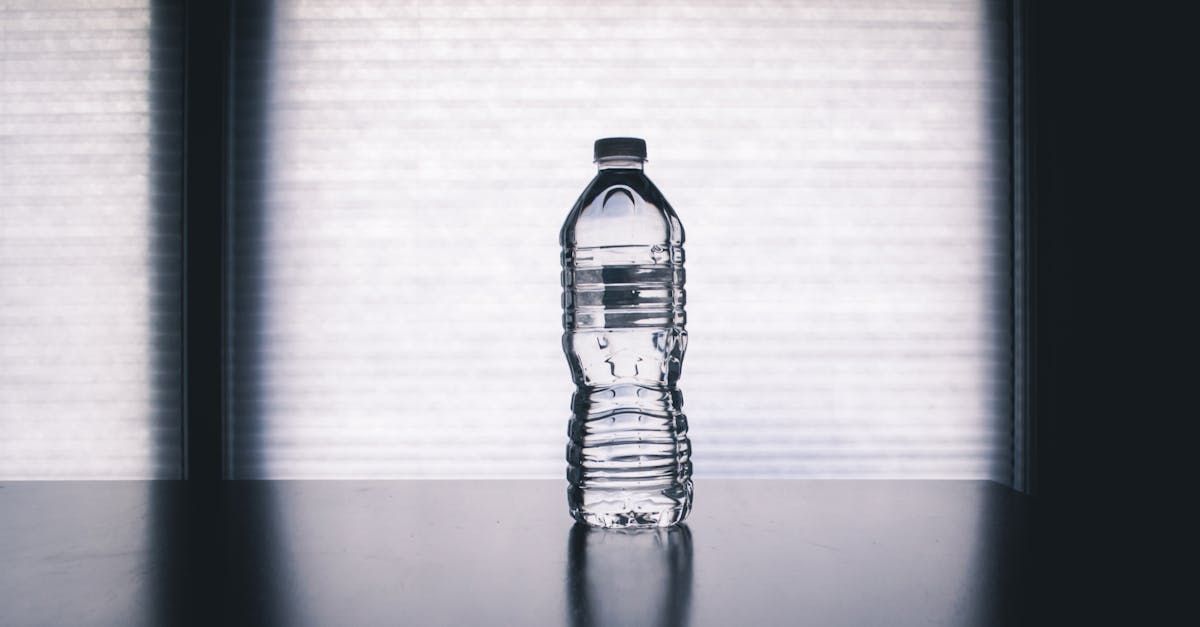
x=619 y=147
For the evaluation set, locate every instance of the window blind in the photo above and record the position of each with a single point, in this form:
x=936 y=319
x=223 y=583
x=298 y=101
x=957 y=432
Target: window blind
x=89 y=239
x=402 y=170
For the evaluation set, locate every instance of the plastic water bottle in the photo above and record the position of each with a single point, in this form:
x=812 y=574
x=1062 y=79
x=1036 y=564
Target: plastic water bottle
x=629 y=458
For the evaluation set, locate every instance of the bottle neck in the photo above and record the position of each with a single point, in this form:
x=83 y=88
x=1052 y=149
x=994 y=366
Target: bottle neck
x=620 y=163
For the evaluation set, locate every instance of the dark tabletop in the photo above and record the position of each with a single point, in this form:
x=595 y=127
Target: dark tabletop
x=762 y=552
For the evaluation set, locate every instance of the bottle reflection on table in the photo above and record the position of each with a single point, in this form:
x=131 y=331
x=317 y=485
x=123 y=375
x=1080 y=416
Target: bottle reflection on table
x=629 y=577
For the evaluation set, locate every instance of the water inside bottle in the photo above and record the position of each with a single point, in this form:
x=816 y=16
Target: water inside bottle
x=629 y=457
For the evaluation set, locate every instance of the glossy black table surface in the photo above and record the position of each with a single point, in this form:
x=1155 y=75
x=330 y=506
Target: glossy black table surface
x=770 y=552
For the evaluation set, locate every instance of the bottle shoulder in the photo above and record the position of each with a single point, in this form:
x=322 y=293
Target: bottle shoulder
x=618 y=208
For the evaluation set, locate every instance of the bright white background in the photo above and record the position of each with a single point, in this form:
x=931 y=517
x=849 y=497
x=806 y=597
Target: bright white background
x=89 y=241
x=840 y=169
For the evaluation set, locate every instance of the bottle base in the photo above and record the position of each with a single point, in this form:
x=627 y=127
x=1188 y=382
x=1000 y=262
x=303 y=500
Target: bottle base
x=630 y=509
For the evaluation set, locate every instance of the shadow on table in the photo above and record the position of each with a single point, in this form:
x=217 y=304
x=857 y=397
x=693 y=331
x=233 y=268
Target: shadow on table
x=627 y=577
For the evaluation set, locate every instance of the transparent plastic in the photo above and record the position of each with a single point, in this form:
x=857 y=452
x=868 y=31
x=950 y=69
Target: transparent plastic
x=629 y=458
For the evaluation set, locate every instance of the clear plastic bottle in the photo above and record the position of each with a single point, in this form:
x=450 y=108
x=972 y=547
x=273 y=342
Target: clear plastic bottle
x=629 y=458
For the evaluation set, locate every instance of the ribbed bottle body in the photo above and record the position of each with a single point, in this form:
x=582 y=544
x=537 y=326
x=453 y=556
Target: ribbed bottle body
x=628 y=455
